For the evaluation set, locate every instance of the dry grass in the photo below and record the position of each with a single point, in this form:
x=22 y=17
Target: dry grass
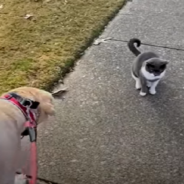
x=37 y=51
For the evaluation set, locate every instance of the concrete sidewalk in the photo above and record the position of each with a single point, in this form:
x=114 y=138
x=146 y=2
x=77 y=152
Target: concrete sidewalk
x=104 y=132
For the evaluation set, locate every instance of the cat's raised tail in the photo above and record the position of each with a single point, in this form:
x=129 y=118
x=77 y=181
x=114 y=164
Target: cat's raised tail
x=131 y=45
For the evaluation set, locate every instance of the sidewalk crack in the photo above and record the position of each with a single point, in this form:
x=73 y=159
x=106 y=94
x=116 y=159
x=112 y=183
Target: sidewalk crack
x=148 y=44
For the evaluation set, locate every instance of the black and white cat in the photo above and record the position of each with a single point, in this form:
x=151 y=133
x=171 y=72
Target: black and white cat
x=147 y=69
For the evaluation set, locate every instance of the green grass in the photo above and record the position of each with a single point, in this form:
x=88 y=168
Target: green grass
x=37 y=52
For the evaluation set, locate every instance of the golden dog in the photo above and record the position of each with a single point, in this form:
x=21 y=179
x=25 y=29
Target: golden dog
x=12 y=122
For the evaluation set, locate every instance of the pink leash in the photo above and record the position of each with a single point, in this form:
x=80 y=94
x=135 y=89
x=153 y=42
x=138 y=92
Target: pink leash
x=33 y=163
x=33 y=160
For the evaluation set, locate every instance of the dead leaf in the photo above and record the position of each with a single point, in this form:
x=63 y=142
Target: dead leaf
x=59 y=93
x=28 y=16
x=101 y=40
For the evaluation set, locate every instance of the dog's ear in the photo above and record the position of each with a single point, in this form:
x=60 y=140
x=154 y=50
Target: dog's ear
x=59 y=93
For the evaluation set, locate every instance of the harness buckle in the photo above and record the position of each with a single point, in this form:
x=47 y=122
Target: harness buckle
x=26 y=103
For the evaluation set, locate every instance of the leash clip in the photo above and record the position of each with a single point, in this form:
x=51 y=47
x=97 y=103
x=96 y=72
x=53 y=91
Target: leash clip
x=32 y=134
x=31 y=131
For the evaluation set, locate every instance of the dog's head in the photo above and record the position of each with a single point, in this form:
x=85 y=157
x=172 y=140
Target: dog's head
x=45 y=99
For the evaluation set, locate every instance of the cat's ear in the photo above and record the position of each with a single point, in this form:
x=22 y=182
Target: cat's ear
x=165 y=62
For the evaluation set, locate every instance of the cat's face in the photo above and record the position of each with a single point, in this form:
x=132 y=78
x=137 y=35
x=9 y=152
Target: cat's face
x=156 y=66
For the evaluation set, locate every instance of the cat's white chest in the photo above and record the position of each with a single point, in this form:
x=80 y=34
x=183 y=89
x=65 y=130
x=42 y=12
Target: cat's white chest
x=150 y=76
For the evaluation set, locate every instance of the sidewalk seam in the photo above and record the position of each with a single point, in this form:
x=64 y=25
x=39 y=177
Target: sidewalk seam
x=148 y=44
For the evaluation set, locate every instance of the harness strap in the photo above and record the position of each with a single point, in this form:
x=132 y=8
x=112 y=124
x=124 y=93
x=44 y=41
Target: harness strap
x=25 y=105
x=23 y=101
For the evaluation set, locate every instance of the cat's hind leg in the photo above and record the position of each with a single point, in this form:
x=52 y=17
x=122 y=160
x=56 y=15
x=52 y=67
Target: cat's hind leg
x=137 y=82
x=144 y=88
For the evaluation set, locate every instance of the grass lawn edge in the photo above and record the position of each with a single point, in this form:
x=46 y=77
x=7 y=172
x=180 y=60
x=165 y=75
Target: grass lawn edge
x=70 y=64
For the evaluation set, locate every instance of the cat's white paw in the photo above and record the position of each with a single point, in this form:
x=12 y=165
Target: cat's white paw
x=152 y=91
x=142 y=93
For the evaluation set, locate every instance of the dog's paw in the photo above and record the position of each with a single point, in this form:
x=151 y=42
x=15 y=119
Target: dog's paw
x=142 y=93
x=21 y=179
